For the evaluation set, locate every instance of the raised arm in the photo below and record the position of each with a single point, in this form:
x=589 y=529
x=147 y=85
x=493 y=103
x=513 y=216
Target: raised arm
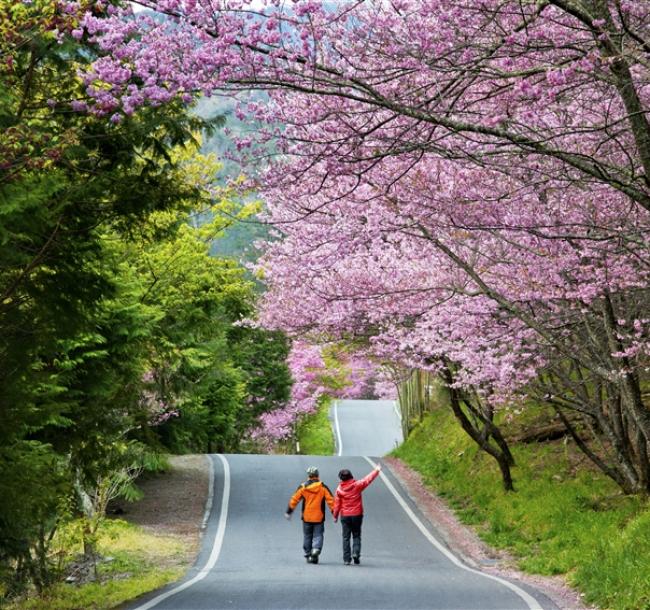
x=369 y=478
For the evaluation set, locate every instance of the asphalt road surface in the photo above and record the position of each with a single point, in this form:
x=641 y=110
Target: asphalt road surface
x=366 y=427
x=252 y=557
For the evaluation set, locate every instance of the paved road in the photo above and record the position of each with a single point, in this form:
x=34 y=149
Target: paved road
x=252 y=557
x=366 y=427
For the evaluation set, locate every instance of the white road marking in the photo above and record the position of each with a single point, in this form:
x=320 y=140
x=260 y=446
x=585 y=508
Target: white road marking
x=208 y=503
x=338 y=428
x=216 y=547
x=531 y=602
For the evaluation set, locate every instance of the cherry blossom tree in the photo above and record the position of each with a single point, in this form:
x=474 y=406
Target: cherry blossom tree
x=307 y=368
x=558 y=85
x=318 y=373
x=464 y=186
x=514 y=313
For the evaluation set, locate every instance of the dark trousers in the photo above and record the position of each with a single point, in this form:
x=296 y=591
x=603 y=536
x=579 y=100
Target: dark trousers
x=351 y=527
x=313 y=536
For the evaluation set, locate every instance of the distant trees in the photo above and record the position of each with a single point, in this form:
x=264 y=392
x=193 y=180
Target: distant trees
x=319 y=373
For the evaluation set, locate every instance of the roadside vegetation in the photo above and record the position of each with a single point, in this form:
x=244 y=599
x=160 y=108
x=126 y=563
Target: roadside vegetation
x=314 y=432
x=565 y=517
x=133 y=562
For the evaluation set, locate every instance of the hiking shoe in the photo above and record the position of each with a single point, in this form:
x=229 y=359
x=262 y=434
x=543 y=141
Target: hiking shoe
x=356 y=559
x=346 y=563
x=314 y=555
x=308 y=558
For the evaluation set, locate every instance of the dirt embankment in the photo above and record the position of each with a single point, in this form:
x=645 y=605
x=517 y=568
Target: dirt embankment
x=174 y=502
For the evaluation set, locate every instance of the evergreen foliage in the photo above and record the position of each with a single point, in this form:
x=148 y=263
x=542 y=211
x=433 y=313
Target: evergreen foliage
x=116 y=323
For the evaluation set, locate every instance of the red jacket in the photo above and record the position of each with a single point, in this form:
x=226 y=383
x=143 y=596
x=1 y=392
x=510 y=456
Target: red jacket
x=347 y=499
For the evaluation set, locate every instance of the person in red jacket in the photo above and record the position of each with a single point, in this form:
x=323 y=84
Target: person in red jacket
x=348 y=504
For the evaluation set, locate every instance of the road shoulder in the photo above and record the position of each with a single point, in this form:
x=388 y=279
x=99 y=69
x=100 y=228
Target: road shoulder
x=173 y=506
x=174 y=502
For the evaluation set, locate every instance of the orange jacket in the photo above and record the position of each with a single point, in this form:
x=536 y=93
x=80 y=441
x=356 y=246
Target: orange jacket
x=314 y=494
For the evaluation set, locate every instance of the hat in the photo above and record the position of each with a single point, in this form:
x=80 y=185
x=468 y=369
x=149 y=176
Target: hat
x=312 y=471
x=345 y=474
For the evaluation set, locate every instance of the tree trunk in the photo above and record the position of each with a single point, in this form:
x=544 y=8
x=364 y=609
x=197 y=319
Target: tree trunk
x=482 y=440
x=628 y=486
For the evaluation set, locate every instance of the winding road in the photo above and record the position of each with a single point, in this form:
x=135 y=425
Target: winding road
x=252 y=557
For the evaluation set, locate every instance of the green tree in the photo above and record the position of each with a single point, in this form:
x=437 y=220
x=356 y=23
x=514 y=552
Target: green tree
x=212 y=375
x=262 y=356
x=117 y=325
x=74 y=331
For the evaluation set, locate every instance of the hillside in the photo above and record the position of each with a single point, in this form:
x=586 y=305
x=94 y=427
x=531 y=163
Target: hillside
x=564 y=517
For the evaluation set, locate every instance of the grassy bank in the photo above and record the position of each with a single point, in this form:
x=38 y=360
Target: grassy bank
x=565 y=518
x=135 y=562
x=315 y=431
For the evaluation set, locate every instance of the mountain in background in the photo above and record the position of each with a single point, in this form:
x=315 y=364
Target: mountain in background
x=239 y=238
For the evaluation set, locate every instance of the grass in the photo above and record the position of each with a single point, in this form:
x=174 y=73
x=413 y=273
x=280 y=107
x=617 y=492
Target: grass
x=565 y=518
x=141 y=562
x=315 y=432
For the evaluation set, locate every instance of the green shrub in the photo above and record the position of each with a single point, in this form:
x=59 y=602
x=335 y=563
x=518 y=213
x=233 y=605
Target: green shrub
x=315 y=431
x=135 y=562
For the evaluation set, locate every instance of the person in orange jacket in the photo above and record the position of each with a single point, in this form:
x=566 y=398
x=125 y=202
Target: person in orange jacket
x=348 y=504
x=314 y=494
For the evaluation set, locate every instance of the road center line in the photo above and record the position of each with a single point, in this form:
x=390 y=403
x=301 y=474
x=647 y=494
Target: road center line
x=216 y=547
x=531 y=602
